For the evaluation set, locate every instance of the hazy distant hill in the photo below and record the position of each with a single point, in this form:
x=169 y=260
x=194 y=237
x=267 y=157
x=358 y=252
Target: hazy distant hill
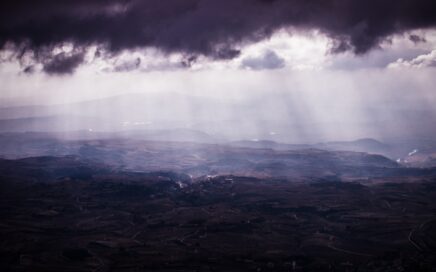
x=141 y=112
x=363 y=145
x=262 y=119
x=129 y=109
x=169 y=135
x=199 y=159
x=268 y=144
x=360 y=145
x=56 y=123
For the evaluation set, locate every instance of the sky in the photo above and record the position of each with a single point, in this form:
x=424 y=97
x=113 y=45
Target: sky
x=338 y=64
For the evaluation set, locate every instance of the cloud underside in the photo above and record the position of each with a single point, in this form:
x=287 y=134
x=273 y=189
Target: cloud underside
x=268 y=60
x=215 y=29
x=425 y=60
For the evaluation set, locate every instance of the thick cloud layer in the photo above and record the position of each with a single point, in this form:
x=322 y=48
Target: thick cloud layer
x=212 y=28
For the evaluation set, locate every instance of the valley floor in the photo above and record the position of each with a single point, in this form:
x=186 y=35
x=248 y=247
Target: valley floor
x=121 y=221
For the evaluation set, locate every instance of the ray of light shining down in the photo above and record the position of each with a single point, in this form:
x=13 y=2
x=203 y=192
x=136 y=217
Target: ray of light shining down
x=285 y=83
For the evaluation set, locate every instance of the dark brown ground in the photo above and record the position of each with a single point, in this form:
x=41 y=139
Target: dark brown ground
x=97 y=219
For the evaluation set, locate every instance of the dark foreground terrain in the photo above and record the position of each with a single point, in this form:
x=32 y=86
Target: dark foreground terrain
x=64 y=214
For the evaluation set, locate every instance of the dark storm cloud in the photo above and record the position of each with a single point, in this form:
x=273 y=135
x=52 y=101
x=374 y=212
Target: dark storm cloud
x=416 y=38
x=214 y=28
x=63 y=63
